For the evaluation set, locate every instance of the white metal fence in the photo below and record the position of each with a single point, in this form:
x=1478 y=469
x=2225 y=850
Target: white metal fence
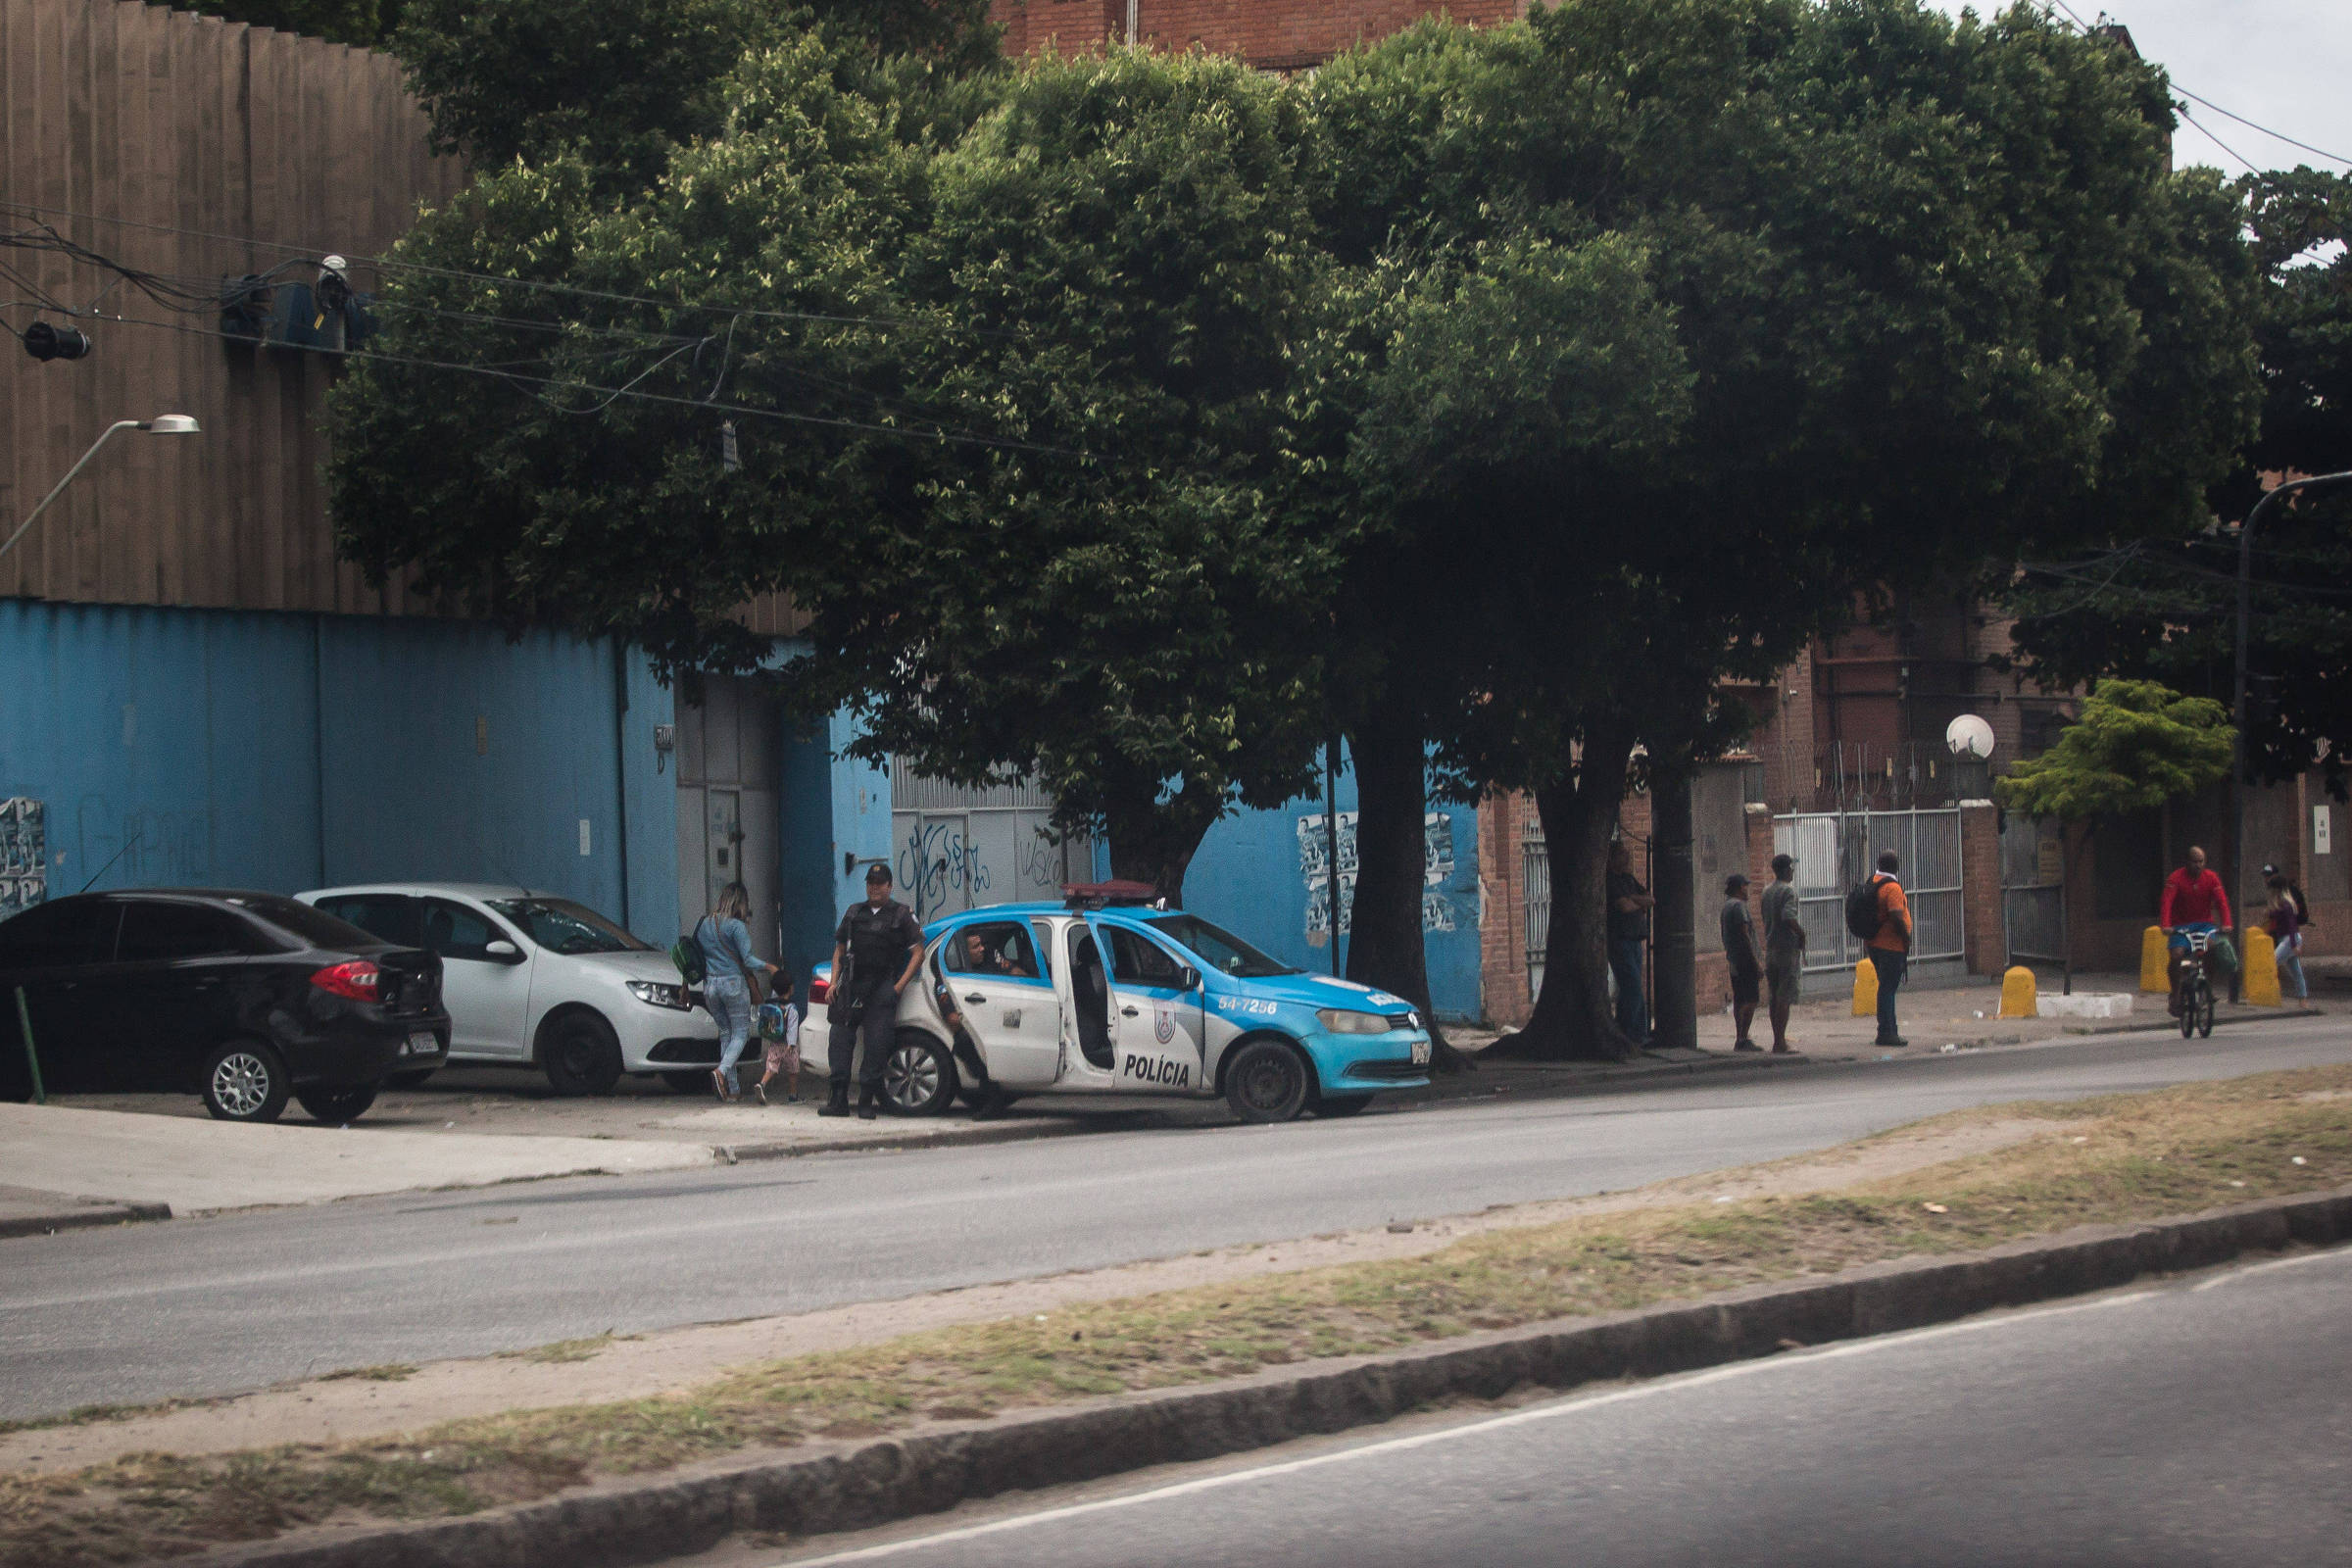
x=1833 y=851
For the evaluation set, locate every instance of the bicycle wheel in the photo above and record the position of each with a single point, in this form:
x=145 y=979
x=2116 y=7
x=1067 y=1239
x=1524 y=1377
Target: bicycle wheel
x=2189 y=989
x=2205 y=1009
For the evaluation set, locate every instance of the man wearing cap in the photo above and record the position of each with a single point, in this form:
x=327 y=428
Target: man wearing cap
x=1783 y=947
x=876 y=950
x=1739 y=950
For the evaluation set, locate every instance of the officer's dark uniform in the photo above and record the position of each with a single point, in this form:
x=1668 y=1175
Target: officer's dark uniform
x=877 y=944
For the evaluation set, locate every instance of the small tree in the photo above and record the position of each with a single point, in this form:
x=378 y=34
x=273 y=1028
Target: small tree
x=2136 y=745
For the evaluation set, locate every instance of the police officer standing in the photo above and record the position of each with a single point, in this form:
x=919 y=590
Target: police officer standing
x=876 y=950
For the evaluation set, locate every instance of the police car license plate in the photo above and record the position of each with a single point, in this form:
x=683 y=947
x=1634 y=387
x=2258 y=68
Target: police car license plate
x=423 y=1044
x=1420 y=1052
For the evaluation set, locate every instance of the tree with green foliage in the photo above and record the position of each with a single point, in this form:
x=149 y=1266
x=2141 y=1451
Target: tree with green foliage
x=2135 y=746
x=1897 y=294
x=363 y=23
x=622 y=81
x=2158 y=598
x=1006 y=366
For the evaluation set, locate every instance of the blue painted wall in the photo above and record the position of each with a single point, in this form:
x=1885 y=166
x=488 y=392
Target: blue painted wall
x=1252 y=875
x=284 y=752
x=836 y=822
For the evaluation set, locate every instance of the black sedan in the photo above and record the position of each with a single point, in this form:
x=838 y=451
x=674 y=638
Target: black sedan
x=246 y=998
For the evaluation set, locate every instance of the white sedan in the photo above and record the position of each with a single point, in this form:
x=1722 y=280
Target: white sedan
x=535 y=979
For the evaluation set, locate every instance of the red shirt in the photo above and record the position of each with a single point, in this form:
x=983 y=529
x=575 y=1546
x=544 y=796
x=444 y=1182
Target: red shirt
x=2192 y=897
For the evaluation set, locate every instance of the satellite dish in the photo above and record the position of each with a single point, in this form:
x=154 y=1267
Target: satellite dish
x=1969 y=736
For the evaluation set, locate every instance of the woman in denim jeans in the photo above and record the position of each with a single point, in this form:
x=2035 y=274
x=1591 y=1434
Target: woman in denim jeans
x=727 y=966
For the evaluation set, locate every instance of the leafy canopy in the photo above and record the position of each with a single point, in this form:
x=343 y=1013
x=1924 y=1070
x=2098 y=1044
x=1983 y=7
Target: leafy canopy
x=2135 y=746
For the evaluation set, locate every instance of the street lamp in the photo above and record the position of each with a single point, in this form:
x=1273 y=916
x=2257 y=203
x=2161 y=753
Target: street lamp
x=2245 y=602
x=161 y=424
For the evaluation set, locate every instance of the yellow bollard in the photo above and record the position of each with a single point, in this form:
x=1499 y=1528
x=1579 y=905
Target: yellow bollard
x=2155 y=962
x=1866 y=989
x=2018 y=998
x=2262 y=969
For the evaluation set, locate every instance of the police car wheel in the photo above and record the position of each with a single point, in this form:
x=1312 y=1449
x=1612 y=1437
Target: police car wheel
x=919 y=1078
x=1267 y=1082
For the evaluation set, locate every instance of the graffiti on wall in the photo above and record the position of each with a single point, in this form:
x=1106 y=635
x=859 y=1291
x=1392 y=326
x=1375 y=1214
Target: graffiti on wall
x=938 y=867
x=1315 y=870
x=23 y=855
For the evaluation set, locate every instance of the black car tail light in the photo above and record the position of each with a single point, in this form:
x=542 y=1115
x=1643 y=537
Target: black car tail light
x=355 y=980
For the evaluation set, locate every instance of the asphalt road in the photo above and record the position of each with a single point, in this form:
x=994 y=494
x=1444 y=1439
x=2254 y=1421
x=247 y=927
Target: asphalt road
x=2199 y=1422
x=223 y=1305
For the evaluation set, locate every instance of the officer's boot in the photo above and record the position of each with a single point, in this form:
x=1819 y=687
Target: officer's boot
x=837 y=1100
x=865 y=1102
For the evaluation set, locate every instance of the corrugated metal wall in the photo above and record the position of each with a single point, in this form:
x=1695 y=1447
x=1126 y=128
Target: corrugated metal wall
x=188 y=146
x=222 y=748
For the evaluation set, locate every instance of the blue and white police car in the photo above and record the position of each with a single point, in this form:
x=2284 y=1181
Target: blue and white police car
x=1106 y=995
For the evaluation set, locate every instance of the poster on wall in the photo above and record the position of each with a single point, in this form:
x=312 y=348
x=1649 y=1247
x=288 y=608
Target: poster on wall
x=23 y=856
x=1314 y=869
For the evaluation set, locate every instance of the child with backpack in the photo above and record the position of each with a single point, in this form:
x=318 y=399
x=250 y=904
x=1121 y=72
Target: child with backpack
x=781 y=1041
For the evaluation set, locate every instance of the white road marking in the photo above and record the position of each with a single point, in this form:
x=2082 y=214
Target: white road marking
x=1575 y=1404
x=2335 y=1255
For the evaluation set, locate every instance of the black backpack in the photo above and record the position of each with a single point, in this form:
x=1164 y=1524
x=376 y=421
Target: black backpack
x=687 y=954
x=1862 y=909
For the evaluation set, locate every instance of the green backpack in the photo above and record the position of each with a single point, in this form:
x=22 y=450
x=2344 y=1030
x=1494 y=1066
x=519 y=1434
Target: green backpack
x=687 y=954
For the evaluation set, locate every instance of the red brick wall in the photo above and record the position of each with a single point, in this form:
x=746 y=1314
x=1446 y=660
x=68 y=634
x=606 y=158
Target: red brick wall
x=1986 y=936
x=1273 y=34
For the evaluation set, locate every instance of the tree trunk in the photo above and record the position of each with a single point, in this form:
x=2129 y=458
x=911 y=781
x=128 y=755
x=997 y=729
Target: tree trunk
x=1674 y=1009
x=1384 y=943
x=1572 y=1019
x=1154 y=840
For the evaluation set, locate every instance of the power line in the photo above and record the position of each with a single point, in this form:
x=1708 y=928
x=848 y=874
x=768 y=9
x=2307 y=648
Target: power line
x=2187 y=119
x=937 y=434
x=2334 y=158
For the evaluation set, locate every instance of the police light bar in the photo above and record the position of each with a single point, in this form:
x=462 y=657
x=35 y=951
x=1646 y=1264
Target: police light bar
x=1101 y=895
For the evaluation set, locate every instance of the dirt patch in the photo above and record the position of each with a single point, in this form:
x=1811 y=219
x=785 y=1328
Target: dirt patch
x=376 y=1402
x=2108 y=1160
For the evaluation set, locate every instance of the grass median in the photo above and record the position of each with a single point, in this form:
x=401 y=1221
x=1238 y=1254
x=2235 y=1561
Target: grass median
x=2112 y=1159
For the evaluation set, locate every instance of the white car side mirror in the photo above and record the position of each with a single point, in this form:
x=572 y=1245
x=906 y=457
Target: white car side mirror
x=502 y=950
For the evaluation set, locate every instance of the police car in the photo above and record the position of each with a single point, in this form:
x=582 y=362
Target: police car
x=1109 y=994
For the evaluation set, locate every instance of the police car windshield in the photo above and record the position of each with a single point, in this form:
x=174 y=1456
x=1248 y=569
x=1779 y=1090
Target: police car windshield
x=1220 y=950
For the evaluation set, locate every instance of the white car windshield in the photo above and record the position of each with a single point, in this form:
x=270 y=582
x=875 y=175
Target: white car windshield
x=563 y=926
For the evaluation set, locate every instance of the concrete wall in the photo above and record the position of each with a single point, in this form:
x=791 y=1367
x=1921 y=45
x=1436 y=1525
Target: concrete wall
x=284 y=752
x=1260 y=874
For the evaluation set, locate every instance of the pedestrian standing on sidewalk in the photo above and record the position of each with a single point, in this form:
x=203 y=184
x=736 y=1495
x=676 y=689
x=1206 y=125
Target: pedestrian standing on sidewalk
x=2286 y=935
x=1783 y=948
x=1739 y=950
x=876 y=950
x=1891 y=945
x=1630 y=903
x=726 y=937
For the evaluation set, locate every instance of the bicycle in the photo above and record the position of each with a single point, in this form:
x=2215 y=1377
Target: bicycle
x=2196 y=986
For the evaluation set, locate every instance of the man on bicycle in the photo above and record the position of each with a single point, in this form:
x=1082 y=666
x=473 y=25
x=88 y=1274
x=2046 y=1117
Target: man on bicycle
x=2193 y=901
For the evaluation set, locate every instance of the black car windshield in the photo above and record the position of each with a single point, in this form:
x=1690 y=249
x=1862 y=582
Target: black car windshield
x=563 y=926
x=312 y=928
x=1219 y=949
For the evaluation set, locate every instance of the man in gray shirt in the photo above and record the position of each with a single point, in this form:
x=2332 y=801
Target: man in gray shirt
x=1783 y=946
x=1740 y=948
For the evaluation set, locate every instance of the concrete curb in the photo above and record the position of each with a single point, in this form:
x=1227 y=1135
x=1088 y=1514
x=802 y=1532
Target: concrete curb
x=76 y=1219
x=853 y=1487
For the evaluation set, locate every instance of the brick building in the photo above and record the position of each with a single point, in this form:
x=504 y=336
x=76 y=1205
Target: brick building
x=1270 y=35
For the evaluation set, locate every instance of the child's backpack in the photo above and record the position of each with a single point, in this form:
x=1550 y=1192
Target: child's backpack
x=1862 y=909
x=775 y=1020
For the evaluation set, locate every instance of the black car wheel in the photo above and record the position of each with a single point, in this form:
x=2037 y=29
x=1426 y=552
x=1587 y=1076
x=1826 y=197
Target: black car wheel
x=919 y=1078
x=245 y=1080
x=581 y=1055
x=690 y=1080
x=1269 y=1081
x=336 y=1106
x=410 y=1080
x=1342 y=1106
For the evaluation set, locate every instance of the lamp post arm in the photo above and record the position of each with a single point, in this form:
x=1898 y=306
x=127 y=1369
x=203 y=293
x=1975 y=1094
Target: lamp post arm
x=118 y=425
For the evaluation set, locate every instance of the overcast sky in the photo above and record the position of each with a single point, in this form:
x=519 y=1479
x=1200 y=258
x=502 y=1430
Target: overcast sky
x=2287 y=64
